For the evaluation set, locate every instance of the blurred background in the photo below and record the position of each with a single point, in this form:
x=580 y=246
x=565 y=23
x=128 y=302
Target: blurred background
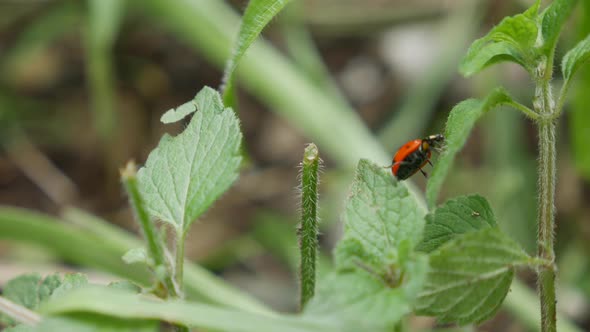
x=84 y=83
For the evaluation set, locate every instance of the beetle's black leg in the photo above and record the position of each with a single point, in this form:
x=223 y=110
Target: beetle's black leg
x=428 y=160
x=424 y=173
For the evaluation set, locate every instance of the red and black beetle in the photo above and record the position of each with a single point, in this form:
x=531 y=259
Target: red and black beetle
x=413 y=155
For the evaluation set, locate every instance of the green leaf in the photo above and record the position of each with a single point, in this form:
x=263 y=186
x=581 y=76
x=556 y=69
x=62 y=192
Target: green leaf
x=137 y=255
x=378 y=276
x=361 y=301
x=185 y=174
x=459 y=124
x=273 y=78
x=552 y=20
x=350 y=252
x=513 y=39
x=123 y=304
x=24 y=290
x=179 y=113
x=575 y=58
x=30 y=290
x=469 y=276
x=208 y=99
x=379 y=216
x=580 y=116
x=125 y=285
x=457 y=216
x=48 y=286
x=256 y=17
x=70 y=282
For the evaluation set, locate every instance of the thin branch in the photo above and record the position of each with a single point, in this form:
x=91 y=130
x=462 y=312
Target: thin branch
x=525 y=110
x=155 y=244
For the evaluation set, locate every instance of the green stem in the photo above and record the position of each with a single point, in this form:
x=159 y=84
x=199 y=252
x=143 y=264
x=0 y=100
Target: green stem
x=152 y=236
x=546 y=209
x=525 y=110
x=179 y=265
x=522 y=303
x=308 y=231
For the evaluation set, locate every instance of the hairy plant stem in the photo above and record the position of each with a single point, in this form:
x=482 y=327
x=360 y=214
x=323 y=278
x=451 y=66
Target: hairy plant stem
x=308 y=231
x=179 y=264
x=179 y=272
x=545 y=106
x=546 y=219
x=155 y=245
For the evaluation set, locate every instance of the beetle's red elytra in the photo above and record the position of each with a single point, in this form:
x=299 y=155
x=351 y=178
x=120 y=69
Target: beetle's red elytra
x=414 y=155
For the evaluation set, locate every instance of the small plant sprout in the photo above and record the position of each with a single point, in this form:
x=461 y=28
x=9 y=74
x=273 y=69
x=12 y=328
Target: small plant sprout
x=308 y=229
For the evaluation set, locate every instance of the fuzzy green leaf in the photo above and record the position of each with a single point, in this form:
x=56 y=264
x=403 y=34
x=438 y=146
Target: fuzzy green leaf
x=23 y=290
x=470 y=276
x=457 y=216
x=137 y=255
x=380 y=217
x=123 y=304
x=185 y=174
x=361 y=301
x=459 y=124
x=579 y=117
x=48 y=286
x=575 y=58
x=552 y=20
x=580 y=124
x=513 y=39
x=256 y=17
x=125 y=285
x=179 y=113
x=70 y=282
x=208 y=99
x=30 y=290
x=378 y=276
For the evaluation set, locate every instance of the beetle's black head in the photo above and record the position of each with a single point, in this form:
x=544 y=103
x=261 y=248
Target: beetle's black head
x=435 y=140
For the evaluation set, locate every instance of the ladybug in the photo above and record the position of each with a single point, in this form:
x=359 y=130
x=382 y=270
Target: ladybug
x=412 y=156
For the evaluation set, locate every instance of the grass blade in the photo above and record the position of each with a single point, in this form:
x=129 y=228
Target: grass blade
x=125 y=305
x=257 y=15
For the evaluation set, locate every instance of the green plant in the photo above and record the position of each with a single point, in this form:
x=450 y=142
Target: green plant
x=529 y=39
x=394 y=259
x=308 y=230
